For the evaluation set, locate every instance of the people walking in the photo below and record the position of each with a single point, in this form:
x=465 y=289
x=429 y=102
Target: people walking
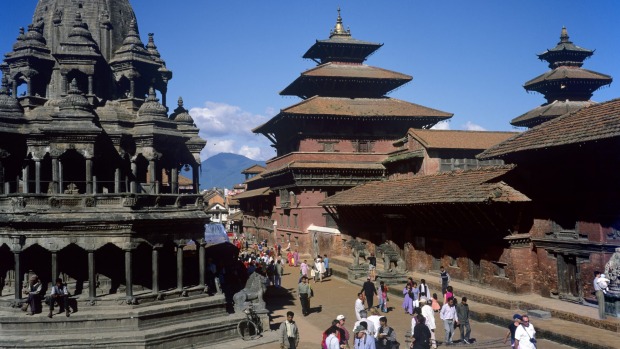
x=326 y=264
x=512 y=328
x=303 y=268
x=449 y=317
x=386 y=336
x=424 y=291
x=278 y=272
x=383 y=297
x=525 y=335
x=429 y=316
x=407 y=301
x=344 y=338
x=370 y=326
x=331 y=340
x=444 y=278
x=462 y=312
x=289 y=333
x=421 y=335
x=359 y=305
x=303 y=289
x=369 y=291
x=362 y=339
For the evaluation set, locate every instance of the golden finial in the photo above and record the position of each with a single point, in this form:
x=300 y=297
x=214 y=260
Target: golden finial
x=339 y=29
x=564 y=35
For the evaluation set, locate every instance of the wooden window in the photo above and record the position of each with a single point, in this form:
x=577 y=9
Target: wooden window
x=329 y=221
x=295 y=220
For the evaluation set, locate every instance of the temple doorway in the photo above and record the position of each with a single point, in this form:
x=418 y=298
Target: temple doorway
x=568 y=274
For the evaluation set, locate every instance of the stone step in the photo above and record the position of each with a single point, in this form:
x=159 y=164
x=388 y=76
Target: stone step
x=181 y=335
x=118 y=319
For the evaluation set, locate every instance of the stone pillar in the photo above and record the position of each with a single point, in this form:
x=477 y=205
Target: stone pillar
x=37 y=176
x=25 y=179
x=180 y=265
x=201 y=262
x=90 y=85
x=175 y=180
x=152 y=177
x=132 y=87
x=54 y=262
x=55 y=175
x=155 y=267
x=14 y=89
x=117 y=180
x=92 y=283
x=128 y=274
x=134 y=172
x=63 y=83
x=60 y=177
x=18 y=275
x=2 y=178
x=89 y=176
x=196 y=179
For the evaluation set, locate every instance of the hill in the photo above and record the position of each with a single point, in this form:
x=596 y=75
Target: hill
x=224 y=170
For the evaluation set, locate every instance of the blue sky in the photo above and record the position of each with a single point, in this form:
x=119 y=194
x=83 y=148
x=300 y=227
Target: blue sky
x=231 y=58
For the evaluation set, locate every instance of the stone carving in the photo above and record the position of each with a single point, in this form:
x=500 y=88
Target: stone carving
x=358 y=249
x=72 y=189
x=612 y=272
x=54 y=202
x=251 y=294
x=90 y=202
x=390 y=255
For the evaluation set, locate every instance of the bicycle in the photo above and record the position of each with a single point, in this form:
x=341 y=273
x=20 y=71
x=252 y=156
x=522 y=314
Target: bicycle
x=251 y=327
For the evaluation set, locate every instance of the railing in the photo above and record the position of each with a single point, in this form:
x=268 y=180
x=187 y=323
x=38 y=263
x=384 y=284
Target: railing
x=258 y=222
x=26 y=202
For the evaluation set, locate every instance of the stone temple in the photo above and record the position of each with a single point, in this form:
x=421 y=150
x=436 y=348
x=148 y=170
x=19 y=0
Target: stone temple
x=90 y=157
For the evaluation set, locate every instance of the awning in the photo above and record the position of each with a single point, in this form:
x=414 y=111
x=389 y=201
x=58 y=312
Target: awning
x=253 y=193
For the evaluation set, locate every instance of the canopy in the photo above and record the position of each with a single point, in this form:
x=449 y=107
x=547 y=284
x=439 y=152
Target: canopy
x=215 y=234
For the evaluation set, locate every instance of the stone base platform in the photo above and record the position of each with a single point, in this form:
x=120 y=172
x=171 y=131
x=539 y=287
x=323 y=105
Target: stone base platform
x=182 y=322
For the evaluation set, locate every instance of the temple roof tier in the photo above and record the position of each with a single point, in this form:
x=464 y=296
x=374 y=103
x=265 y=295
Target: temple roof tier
x=591 y=123
x=341 y=47
x=565 y=53
x=568 y=82
x=459 y=139
x=480 y=185
x=342 y=80
x=548 y=111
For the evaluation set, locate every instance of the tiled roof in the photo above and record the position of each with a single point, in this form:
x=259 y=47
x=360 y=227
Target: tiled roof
x=354 y=71
x=548 y=111
x=363 y=107
x=591 y=123
x=237 y=216
x=326 y=165
x=452 y=139
x=254 y=169
x=311 y=82
x=253 y=193
x=567 y=72
x=470 y=186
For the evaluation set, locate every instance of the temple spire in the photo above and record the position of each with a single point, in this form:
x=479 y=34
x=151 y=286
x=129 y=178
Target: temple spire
x=339 y=28
x=564 y=36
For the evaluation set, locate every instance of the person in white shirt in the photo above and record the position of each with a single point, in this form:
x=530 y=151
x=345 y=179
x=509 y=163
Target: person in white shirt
x=449 y=317
x=60 y=296
x=370 y=326
x=429 y=315
x=331 y=341
x=374 y=318
x=525 y=335
x=600 y=294
x=359 y=305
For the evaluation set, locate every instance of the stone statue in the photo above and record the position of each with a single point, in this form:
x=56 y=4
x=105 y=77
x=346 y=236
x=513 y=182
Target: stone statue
x=390 y=255
x=251 y=294
x=358 y=249
x=612 y=272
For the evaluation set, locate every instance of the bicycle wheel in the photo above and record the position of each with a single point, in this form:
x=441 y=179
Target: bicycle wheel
x=247 y=330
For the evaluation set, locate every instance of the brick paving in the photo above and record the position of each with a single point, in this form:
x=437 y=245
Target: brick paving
x=337 y=296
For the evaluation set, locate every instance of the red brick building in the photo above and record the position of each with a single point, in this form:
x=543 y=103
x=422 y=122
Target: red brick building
x=334 y=139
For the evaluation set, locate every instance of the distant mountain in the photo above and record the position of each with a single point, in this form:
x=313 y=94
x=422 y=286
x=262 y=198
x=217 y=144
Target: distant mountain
x=224 y=170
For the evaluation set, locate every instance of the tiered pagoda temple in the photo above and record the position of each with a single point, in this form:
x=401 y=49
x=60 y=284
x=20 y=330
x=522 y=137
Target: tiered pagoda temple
x=334 y=139
x=567 y=86
x=89 y=179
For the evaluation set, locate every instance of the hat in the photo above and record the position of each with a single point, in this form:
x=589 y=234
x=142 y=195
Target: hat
x=423 y=300
x=340 y=317
x=359 y=328
x=517 y=317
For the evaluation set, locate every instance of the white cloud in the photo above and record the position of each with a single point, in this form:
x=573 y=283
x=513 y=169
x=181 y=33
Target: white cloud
x=442 y=125
x=470 y=126
x=228 y=129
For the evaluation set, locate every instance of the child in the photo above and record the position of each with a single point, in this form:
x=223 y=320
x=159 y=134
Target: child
x=603 y=282
x=435 y=303
x=383 y=289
